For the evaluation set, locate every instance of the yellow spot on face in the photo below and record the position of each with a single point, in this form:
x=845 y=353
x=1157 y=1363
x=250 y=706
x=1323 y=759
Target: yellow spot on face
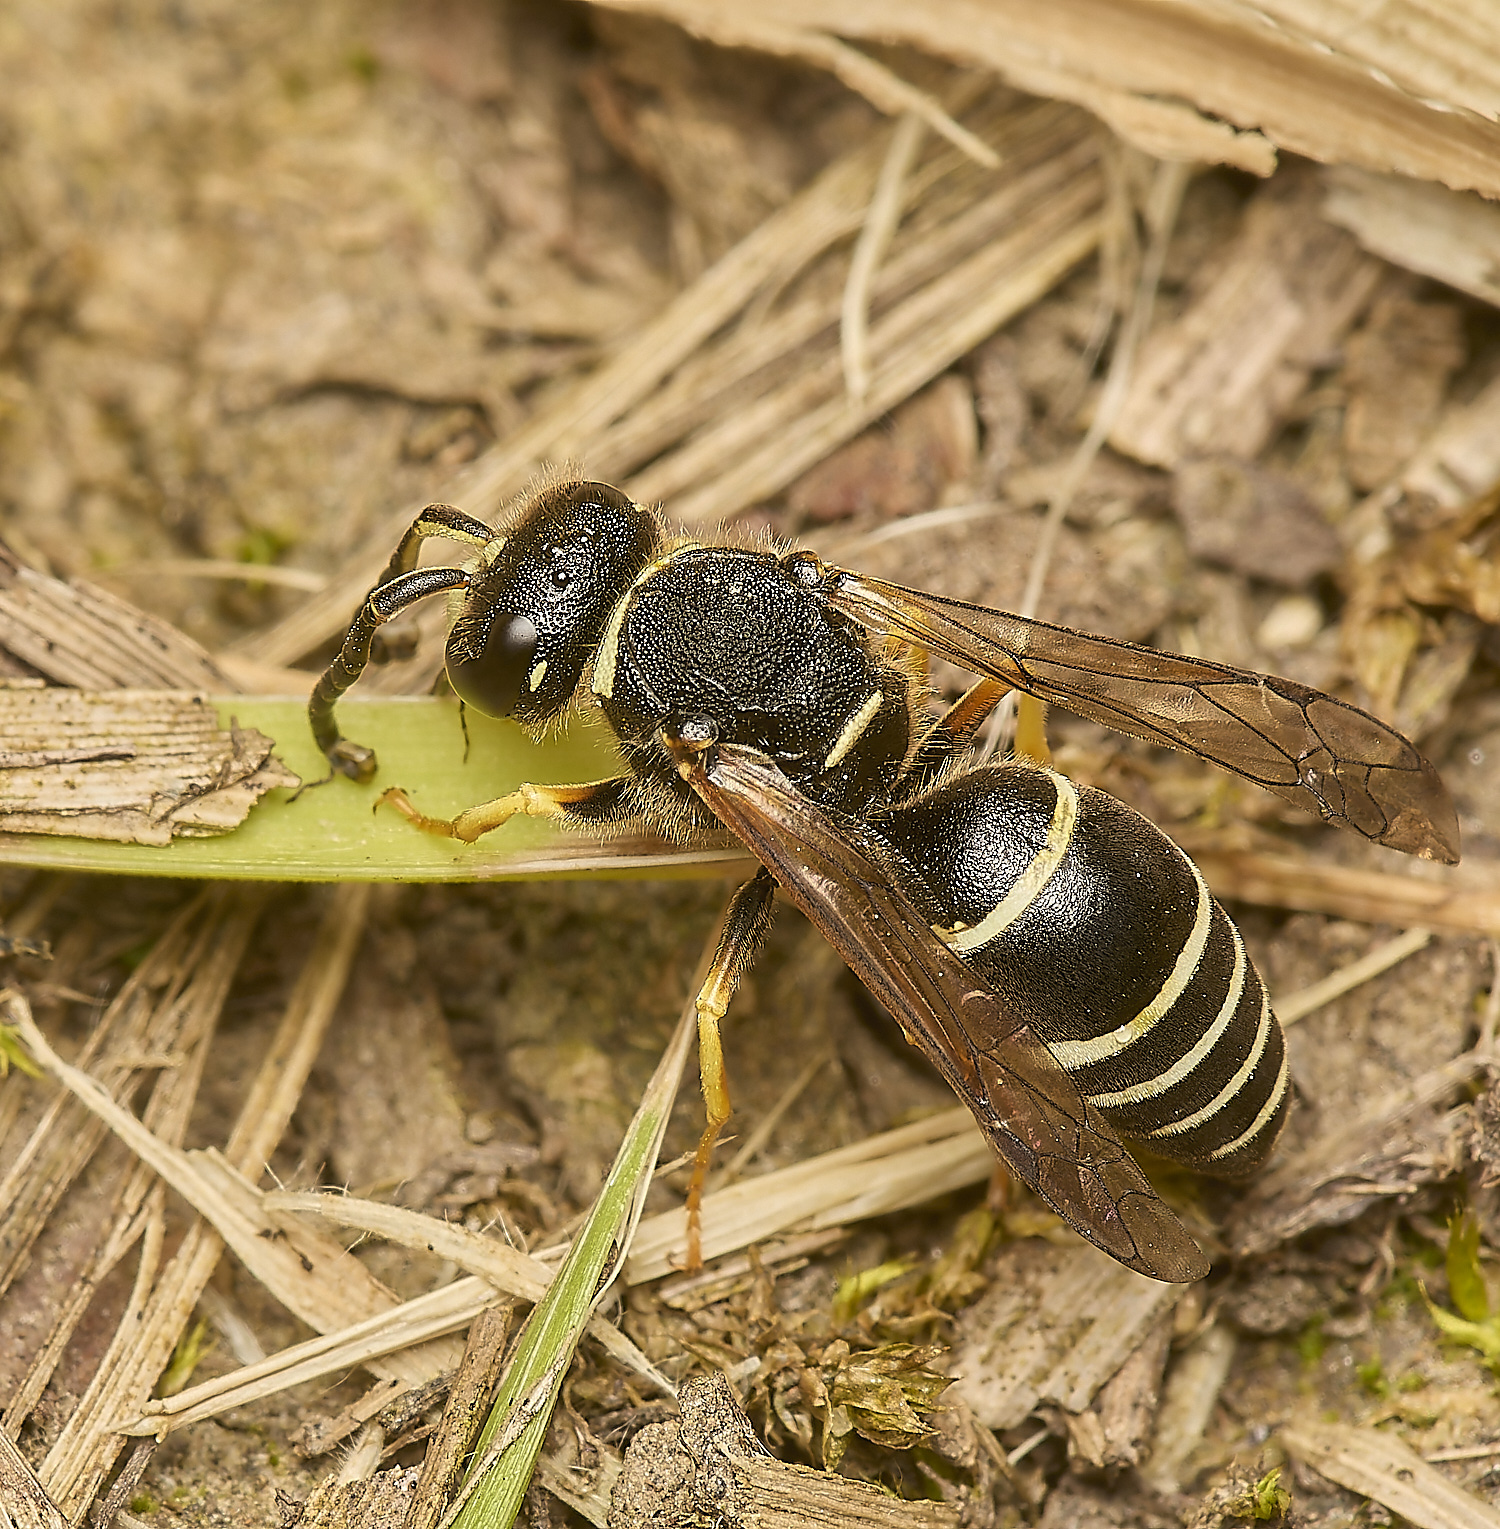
x=537 y=675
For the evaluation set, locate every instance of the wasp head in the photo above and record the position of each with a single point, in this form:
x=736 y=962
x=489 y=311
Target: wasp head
x=537 y=609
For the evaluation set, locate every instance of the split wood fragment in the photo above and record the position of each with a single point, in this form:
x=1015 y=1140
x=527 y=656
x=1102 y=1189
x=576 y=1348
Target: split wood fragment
x=76 y=634
x=1382 y=89
x=138 y=766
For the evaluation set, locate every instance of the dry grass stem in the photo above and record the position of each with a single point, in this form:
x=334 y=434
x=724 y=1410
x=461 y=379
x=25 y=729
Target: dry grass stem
x=882 y=1174
x=403 y=1326
x=161 y=1307
x=172 y=1000
x=1306 y=1000
x=1168 y=183
x=1372 y=897
x=869 y=249
x=592 y=422
x=219 y=568
x=502 y=1266
x=24 y=1503
x=1380 y=1466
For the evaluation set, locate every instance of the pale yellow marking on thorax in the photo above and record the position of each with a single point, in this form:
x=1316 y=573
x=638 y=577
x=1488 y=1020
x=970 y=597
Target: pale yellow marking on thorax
x=608 y=656
x=854 y=728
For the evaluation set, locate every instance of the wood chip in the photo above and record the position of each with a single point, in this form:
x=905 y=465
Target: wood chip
x=1382 y=1467
x=1397 y=368
x=75 y=634
x=1192 y=1389
x=137 y=766
x=710 y=1468
x=1462 y=459
x=1126 y=1406
x=1055 y=1325
x=1256 y=521
x=1449 y=235
x=1221 y=378
x=1372 y=897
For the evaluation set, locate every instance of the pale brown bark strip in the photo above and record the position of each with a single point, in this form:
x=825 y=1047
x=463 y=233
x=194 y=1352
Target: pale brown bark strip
x=137 y=766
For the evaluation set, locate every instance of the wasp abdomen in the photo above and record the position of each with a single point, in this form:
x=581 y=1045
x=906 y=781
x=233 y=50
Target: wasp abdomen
x=1095 y=928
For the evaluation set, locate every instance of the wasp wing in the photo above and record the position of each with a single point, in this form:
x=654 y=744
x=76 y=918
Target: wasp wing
x=1319 y=752
x=834 y=870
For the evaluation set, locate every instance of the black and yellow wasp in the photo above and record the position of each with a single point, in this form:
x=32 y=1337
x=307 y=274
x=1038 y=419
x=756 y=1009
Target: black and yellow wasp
x=1058 y=958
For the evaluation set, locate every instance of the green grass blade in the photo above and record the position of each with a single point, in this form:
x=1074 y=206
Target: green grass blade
x=332 y=833
x=512 y=1437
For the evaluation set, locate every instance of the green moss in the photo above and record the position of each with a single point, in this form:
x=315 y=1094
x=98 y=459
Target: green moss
x=1312 y=1343
x=1267 y=1499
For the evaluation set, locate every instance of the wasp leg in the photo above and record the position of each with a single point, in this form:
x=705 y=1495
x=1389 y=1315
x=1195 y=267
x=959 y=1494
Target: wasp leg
x=954 y=732
x=443 y=520
x=742 y=932
x=1031 y=731
x=383 y=603
x=400 y=586
x=588 y=802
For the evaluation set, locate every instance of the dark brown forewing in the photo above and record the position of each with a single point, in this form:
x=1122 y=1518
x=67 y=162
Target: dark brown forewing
x=1319 y=752
x=1025 y=1103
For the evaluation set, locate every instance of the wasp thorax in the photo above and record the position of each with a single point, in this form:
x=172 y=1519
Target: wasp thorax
x=537 y=611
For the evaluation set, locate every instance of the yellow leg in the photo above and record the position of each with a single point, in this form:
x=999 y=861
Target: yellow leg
x=1031 y=730
x=966 y=715
x=741 y=934
x=953 y=732
x=527 y=801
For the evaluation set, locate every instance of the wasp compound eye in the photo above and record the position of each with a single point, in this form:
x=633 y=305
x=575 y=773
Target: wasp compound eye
x=490 y=677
